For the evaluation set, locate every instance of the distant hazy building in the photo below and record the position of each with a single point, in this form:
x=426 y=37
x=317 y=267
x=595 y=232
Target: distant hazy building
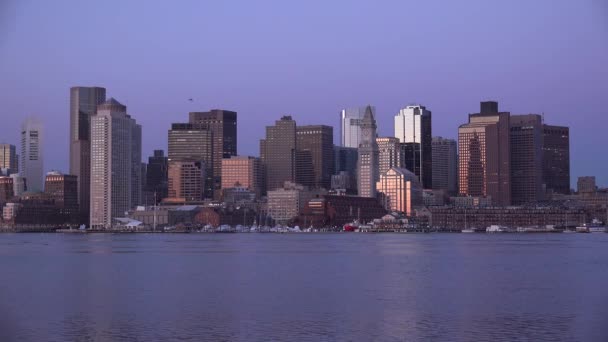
x=344 y=181
x=586 y=184
x=367 y=163
x=286 y=203
x=186 y=180
x=6 y=189
x=8 y=159
x=413 y=127
x=556 y=159
x=113 y=144
x=484 y=155
x=157 y=176
x=401 y=191
x=222 y=124
x=243 y=172
x=526 y=158
x=63 y=190
x=19 y=184
x=350 y=125
x=31 y=154
x=278 y=153
x=388 y=153
x=316 y=141
x=445 y=165
x=193 y=142
x=83 y=105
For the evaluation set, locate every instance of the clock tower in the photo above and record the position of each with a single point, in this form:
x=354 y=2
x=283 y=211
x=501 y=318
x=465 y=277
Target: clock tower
x=368 y=163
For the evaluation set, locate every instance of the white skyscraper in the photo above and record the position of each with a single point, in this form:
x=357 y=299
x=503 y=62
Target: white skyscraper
x=350 y=125
x=115 y=142
x=413 y=129
x=31 y=165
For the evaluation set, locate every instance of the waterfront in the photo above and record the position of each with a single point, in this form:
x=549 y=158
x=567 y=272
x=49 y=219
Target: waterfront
x=311 y=287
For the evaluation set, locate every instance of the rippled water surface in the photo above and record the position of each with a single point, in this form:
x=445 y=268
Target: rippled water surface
x=304 y=287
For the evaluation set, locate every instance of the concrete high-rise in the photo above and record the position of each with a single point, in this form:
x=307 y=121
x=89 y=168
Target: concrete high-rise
x=350 y=125
x=278 y=153
x=83 y=105
x=445 y=165
x=32 y=165
x=315 y=144
x=413 y=127
x=484 y=155
x=222 y=125
x=8 y=159
x=190 y=142
x=368 y=163
x=556 y=159
x=113 y=144
x=388 y=153
x=186 y=180
x=63 y=190
x=526 y=158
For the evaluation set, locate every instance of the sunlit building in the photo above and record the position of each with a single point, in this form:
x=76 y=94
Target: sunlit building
x=400 y=190
x=413 y=127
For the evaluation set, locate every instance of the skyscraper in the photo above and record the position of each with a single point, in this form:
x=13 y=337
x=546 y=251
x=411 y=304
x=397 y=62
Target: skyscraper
x=113 y=144
x=63 y=189
x=445 y=165
x=388 y=153
x=32 y=153
x=83 y=104
x=367 y=164
x=526 y=159
x=244 y=172
x=222 y=125
x=315 y=144
x=278 y=153
x=190 y=142
x=413 y=126
x=350 y=125
x=484 y=155
x=186 y=180
x=157 y=175
x=8 y=159
x=556 y=159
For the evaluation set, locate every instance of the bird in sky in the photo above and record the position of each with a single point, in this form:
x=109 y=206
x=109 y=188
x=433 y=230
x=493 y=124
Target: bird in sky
x=191 y=100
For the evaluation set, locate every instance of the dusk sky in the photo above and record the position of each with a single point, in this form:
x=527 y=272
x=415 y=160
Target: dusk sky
x=308 y=59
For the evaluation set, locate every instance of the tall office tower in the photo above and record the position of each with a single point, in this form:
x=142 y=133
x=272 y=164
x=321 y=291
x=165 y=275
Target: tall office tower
x=401 y=190
x=193 y=143
x=413 y=127
x=316 y=142
x=388 y=153
x=556 y=159
x=222 y=124
x=83 y=105
x=31 y=154
x=367 y=163
x=484 y=155
x=586 y=184
x=526 y=158
x=350 y=125
x=8 y=159
x=63 y=189
x=278 y=153
x=243 y=172
x=186 y=180
x=345 y=159
x=445 y=165
x=113 y=144
x=157 y=175
x=136 y=170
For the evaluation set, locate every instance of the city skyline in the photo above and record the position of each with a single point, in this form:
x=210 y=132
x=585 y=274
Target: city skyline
x=554 y=78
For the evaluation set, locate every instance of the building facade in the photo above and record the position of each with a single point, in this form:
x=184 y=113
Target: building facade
x=526 y=158
x=350 y=125
x=157 y=176
x=63 y=190
x=586 y=184
x=367 y=163
x=413 y=126
x=556 y=159
x=83 y=105
x=445 y=165
x=32 y=164
x=243 y=172
x=484 y=167
x=315 y=143
x=278 y=153
x=193 y=143
x=388 y=153
x=401 y=191
x=186 y=180
x=286 y=203
x=8 y=159
x=222 y=125
x=112 y=151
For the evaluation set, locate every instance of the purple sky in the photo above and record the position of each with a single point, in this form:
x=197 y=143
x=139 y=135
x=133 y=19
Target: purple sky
x=308 y=59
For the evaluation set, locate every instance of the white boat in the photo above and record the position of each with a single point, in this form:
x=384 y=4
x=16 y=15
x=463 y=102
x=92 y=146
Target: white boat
x=595 y=226
x=495 y=229
x=468 y=230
